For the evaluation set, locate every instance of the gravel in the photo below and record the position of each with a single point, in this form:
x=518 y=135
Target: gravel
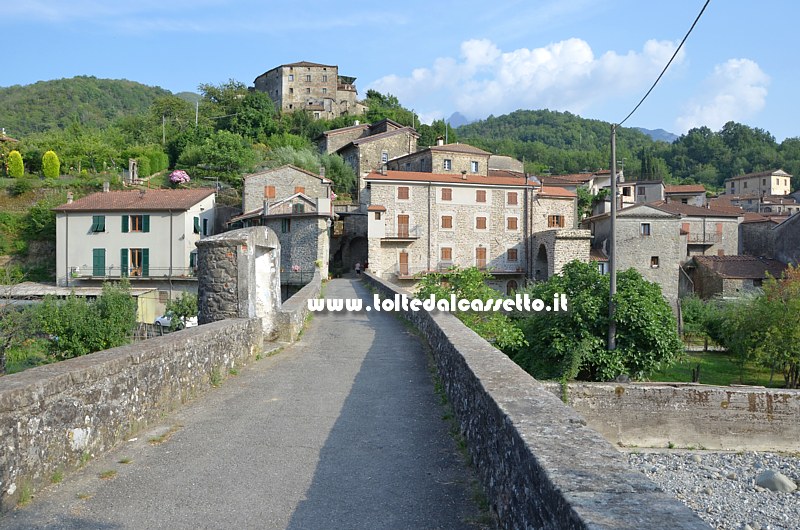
x=722 y=487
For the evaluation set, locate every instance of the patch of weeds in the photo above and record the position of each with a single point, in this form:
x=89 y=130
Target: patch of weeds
x=125 y=460
x=108 y=474
x=84 y=496
x=233 y=371
x=57 y=476
x=215 y=377
x=670 y=445
x=25 y=493
x=85 y=457
x=163 y=437
x=259 y=356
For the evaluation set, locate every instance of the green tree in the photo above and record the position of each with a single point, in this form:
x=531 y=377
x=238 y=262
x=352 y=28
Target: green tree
x=572 y=344
x=777 y=312
x=181 y=309
x=223 y=154
x=51 y=165
x=16 y=168
x=470 y=284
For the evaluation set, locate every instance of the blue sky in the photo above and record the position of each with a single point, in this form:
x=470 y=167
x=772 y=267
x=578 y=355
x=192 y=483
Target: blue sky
x=595 y=58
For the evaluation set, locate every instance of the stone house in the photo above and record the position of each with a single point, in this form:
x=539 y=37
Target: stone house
x=708 y=231
x=649 y=191
x=421 y=221
x=450 y=159
x=691 y=194
x=775 y=182
x=316 y=88
x=730 y=276
x=147 y=236
x=756 y=237
x=297 y=205
x=331 y=141
x=764 y=204
x=649 y=239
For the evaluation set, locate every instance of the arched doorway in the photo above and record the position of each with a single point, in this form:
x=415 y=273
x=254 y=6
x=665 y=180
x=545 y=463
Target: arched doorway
x=511 y=287
x=358 y=252
x=540 y=265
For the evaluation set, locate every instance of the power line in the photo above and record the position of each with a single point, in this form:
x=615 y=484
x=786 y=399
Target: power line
x=696 y=20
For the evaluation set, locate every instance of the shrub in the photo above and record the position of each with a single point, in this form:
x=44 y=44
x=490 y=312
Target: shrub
x=16 y=168
x=51 y=165
x=21 y=186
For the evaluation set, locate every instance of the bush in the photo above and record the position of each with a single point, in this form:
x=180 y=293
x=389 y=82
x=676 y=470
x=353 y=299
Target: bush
x=51 y=165
x=144 y=166
x=16 y=168
x=21 y=186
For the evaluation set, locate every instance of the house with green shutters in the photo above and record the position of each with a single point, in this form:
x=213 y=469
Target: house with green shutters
x=147 y=236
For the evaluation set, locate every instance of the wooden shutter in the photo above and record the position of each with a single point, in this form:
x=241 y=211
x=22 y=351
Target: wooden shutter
x=404 y=263
x=125 y=226
x=512 y=197
x=447 y=221
x=145 y=262
x=196 y=225
x=98 y=262
x=480 y=196
x=269 y=192
x=123 y=257
x=511 y=223
x=480 y=257
x=145 y=223
x=447 y=194
x=480 y=223
x=402 y=192
x=299 y=189
x=402 y=225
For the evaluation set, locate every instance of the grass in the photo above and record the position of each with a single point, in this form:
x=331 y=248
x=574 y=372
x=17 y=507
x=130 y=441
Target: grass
x=84 y=496
x=57 y=477
x=716 y=368
x=30 y=354
x=125 y=460
x=108 y=474
x=25 y=494
x=215 y=377
x=163 y=437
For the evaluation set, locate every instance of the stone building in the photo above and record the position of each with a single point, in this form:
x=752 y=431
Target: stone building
x=649 y=239
x=692 y=194
x=421 y=221
x=450 y=159
x=296 y=205
x=756 y=234
x=775 y=182
x=708 y=231
x=649 y=191
x=316 y=88
x=730 y=276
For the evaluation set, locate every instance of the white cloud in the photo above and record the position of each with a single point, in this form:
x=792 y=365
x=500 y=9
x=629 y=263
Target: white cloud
x=565 y=75
x=735 y=91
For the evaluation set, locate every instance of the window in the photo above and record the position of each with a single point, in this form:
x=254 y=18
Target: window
x=480 y=223
x=291 y=90
x=626 y=191
x=316 y=115
x=447 y=221
x=286 y=226
x=308 y=90
x=644 y=229
x=269 y=192
x=473 y=166
x=205 y=227
x=377 y=216
x=641 y=190
x=98 y=223
x=308 y=78
x=512 y=198
x=511 y=287
x=512 y=254
x=446 y=254
x=402 y=192
x=447 y=194
x=384 y=157
x=98 y=262
x=480 y=195
x=298 y=208
x=763 y=182
x=324 y=90
x=684 y=201
x=511 y=223
x=291 y=77
x=135 y=223
x=324 y=78
x=654 y=262
x=403 y=222
x=192 y=264
x=744 y=184
x=555 y=221
x=299 y=189
x=135 y=262
x=480 y=257
x=196 y=225
x=447 y=164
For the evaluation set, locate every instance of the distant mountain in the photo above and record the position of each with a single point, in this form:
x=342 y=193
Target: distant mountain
x=93 y=102
x=457 y=120
x=659 y=135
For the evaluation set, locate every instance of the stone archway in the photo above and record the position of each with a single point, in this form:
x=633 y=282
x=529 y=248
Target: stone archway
x=358 y=248
x=541 y=264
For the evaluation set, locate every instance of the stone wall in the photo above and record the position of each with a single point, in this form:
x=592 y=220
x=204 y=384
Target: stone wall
x=293 y=312
x=285 y=179
x=303 y=240
x=539 y=463
x=757 y=239
x=54 y=417
x=689 y=415
x=787 y=241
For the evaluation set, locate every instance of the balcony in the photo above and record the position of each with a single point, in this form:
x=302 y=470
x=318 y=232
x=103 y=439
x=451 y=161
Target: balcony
x=403 y=234
x=134 y=273
x=704 y=238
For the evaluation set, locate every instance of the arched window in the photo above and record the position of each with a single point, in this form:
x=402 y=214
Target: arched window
x=511 y=287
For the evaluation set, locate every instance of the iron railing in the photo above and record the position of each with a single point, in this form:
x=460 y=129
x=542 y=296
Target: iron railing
x=87 y=272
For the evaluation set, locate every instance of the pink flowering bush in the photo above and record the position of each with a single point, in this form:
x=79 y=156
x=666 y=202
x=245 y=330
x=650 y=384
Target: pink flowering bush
x=179 y=176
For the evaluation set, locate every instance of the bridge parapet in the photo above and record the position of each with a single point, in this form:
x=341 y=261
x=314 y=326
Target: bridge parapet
x=540 y=465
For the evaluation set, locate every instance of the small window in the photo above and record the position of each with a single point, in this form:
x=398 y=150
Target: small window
x=291 y=90
x=384 y=157
x=644 y=229
x=744 y=184
x=308 y=78
x=511 y=223
x=512 y=198
x=626 y=191
x=316 y=115
x=555 y=221
x=763 y=182
x=684 y=201
x=324 y=78
x=298 y=208
x=480 y=195
x=269 y=192
x=324 y=90
x=135 y=223
x=654 y=262
x=308 y=91
x=286 y=225
x=641 y=190
x=447 y=194
x=299 y=189
x=473 y=166
x=511 y=287
x=291 y=77
x=447 y=221
x=447 y=254
x=402 y=192
x=447 y=164
x=377 y=216
x=480 y=223
x=98 y=223
x=512 y=254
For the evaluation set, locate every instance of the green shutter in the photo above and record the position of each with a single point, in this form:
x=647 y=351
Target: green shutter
x=193 y=260
x=145 y=223
x=94 y=223
x=145 y=262
x=123 y=259
x=125 y=228
x=196 y=225
x=98 y=262
x=101 y=223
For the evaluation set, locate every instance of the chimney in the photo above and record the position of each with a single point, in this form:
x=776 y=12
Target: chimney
x=106 y=187
x=141 y=193
x=464 y=175
x=439 y=140
x=356 y=122
x=383 y=169
x=70 y=197
x=322 y=171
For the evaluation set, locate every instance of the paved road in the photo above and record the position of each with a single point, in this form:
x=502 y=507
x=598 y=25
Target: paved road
x=341 y=430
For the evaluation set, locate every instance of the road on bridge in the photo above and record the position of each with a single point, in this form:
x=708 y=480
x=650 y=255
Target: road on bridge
x=340 y=430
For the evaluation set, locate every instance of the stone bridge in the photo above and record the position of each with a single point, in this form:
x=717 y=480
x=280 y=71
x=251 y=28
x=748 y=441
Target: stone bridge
x=341 y=425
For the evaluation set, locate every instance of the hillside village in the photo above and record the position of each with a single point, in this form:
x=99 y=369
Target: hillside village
x=423 y=209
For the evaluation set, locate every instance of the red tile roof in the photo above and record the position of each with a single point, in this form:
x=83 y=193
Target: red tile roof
x=138 y=200
x=685 y=188
x=694 y=211
x=595 y=254
x=459 y=148
x=376 y=208
x=450 y=178
x=554 y=191
x=778 y=172
x=506 y=173
x=742 y=267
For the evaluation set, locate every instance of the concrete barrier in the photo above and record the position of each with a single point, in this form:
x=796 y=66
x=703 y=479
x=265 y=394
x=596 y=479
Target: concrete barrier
x=293 y=312
x=540 y=465
x=54 y=417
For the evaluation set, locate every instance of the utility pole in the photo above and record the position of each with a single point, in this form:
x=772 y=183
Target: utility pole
x=196 y=112
x=612 y=245
x=163 y=130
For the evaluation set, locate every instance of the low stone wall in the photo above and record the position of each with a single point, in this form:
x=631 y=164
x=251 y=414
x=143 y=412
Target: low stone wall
x=293 y=312
x=539 y=463
x=689 y=415
x=54 y=417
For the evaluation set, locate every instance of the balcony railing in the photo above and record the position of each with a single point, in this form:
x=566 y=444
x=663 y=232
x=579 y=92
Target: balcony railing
x=404 y=232
x=708 y=238
x=134 y=273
